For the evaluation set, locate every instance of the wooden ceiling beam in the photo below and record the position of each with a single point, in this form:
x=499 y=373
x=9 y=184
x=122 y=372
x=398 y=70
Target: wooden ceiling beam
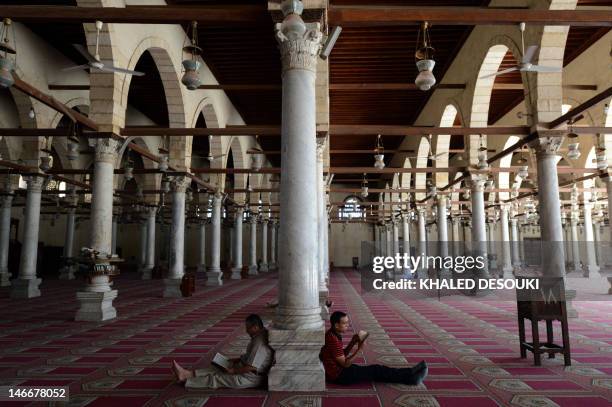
x=53 y=103
x=206 y=15
x=369 y=16
x=576 y=111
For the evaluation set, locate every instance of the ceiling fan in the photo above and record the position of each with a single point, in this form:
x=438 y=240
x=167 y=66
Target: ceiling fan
x=93 y=61
x=526 y=64
x=430 y=155
x=210 y=157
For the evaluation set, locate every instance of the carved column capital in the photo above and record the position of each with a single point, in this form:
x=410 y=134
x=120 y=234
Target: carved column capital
x=35 y=183
x=106 y=150
x=546 y=146
x=180 y=184
x=299 y=42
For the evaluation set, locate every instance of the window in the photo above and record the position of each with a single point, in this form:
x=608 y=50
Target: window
x=351 y=208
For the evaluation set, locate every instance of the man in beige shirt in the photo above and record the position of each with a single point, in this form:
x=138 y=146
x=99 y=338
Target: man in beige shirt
x=249 y=370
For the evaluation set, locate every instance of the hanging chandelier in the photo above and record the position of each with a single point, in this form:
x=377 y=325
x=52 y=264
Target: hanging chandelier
x=191 y=78
x=379 y=156
x=364 y=187
x=424 y=59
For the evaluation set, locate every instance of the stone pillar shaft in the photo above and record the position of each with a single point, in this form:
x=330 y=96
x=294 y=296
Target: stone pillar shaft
x=5 y=236
x=591 y=269
x=176 y=268
x=237 y=269
x=298 y=331
x=213 y=274
x=264 y=245
x=26 y=284
x=96 y=300
x=150 y=259
x=201 y=247
x=253 y=246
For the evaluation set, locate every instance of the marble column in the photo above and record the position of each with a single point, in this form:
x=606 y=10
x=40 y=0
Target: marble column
x=298 y=331
x=549 y=206
x=96 y=299
x=422 y=247
x=516 y=259
x=492 y=247
x=253 y=246
x=406 y=233
x=608 y=258
x=442 y=231
x=382 y=232
x=176 y=268
x=142 y=258
x=201 y=246
x=264 y=246
x=506 y=252
x=521 y=245
x=67 y=271
x=575 y=243
x=597 y=241
x=147 y=270
x=230 y=243
x=237 y=269
x=389 y=239
x=590 y=265
x=395 y=236
x=456 y=225
x=213 y=273
x=567 y=237
x=114 y=236
x=272 y=264
x=321 y=226
x=479 y=232
x=5 y=235
x=26 y=284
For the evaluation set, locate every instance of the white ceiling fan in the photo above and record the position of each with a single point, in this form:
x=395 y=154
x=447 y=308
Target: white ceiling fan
x=526 y=64
x=93 y=61
x=430 y=155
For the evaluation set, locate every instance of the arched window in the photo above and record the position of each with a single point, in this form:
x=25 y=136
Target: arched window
x=351 y=208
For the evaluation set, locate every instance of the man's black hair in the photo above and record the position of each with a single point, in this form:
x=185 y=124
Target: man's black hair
x=254 y=320
x=336 y=317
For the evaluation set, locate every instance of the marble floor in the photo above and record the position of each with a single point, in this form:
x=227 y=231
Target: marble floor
x=469 y=344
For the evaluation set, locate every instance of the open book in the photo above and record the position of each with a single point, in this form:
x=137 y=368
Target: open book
x=363 y=335
x=221 y=361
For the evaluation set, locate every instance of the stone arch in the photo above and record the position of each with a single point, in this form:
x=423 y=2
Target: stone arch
x=483 y=87
x=180 y=147
x=503 y=180
x=71 y=103
x=420 y=178
x=216 y=147
x=405 y=180
x=544 y=96
x=240 y=161
x=443 y=144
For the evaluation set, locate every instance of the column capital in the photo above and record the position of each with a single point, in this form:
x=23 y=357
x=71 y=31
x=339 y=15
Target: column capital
x=180 y=183
x=106 y=150
x=300 y=43
x=546 y=146
x=477 y=182
x=35 y=182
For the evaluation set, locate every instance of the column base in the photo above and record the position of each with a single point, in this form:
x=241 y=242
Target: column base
x=591 y=271
x=146 y=273
x=297 y=366
x=272 y=266
x=236 y=273
x=253 y=270
x=263 y=267
x=172 y=288
x=610 y=282
x=5 y=278
x=96 y=306
x=21 y=288
x=213 y=277
x=66 y=273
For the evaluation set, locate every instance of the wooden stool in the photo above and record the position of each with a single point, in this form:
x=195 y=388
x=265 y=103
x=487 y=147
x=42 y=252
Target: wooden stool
x=538 y=309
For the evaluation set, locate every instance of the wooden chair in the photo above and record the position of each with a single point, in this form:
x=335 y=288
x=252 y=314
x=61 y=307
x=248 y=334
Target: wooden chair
x=547 y=304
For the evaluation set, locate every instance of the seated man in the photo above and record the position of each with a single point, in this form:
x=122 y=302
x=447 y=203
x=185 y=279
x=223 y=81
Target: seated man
x=249 y=370
x=338 y=362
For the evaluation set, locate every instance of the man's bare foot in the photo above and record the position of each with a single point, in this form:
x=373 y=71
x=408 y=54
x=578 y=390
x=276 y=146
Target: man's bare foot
x=181 y=373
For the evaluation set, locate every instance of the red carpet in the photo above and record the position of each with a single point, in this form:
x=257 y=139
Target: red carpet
x=470 y=346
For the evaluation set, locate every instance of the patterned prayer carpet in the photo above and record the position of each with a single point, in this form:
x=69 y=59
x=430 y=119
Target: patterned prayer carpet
x=471 y=347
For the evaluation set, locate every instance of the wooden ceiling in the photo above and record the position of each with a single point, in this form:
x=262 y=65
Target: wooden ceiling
x=249 y=55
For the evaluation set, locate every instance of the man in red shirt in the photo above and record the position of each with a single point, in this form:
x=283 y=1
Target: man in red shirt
x=338 y=361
